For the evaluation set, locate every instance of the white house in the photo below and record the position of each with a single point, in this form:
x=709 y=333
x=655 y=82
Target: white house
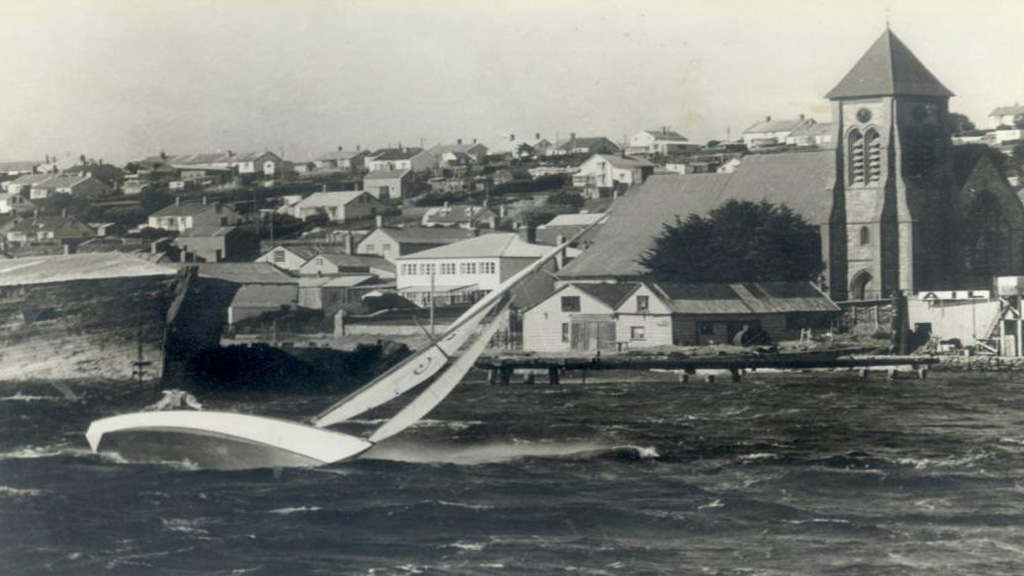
x=401 y=159
x=69 y=184
x=288 y=257
x=591 y=317
x=462 y=271
x=817 y=135
x=339 y=206
x=340 y=159
x=662 y=142
x=458 y=153
x=387 y=184
x=607 y=171
x=390 y=243
x=182 y=216
x=770 y=132
x=15 y=203
x=332 y=262
x=1011 y=116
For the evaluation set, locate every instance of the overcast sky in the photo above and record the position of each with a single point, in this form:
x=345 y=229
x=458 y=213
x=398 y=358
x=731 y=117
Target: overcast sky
x=119 y=80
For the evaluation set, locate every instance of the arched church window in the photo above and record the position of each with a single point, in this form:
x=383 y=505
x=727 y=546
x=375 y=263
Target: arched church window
x=865 y=236
x=862 y=286
x=855 y=154
x=873 y=155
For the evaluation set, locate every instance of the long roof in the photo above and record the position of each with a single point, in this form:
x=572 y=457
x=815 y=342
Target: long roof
x=771 y=126
x=497 y=245
x=745 y=298
x=459 y=213
x=573 y=220
x=1008 y=110
x=262 y=295
x=669 y=135
x=330 y=198
x=243 y=272
x=888 y=68
x=344 y=259
x=185 y=209
x=801 y=180
x=47 y=269
x=426 y=235
x=620 y=161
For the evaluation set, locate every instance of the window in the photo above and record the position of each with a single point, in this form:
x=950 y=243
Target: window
x=570 y=303
x=873 y=155
x=565 y=331
x=855 y=155
x=409 y=269
x=865 y=236
x=487 y=267
x=385 y=249
x=642 y=304
x=369 y=248
x=427 y=269
x=448 y=268
x=706 y=328
x=637 y=333
x=467 y=268
x=279 y=256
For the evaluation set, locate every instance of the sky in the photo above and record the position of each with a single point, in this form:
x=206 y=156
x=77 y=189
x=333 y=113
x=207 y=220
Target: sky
x=119 y=80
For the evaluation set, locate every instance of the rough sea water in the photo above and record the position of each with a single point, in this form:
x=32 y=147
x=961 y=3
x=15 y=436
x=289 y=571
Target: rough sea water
x=782 y=474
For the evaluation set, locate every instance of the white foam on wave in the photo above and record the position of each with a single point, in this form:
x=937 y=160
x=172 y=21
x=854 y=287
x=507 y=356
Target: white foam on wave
x=183 y=526
x=468 y=546
x=717 y=503
x=12 y=492
x=491 y=453
x=294 y=510
x=464 y=505
x=759 y=456
x=424 y=423
x=949 y=462
x=19 y=397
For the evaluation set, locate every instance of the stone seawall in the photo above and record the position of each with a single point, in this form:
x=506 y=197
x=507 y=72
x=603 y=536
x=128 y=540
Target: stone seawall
x=979 y=364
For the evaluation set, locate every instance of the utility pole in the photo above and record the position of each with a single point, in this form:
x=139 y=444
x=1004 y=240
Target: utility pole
x=432 y=302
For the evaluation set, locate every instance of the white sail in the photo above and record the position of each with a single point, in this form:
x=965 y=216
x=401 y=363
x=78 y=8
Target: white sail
x=421 y=366
x=442 y=387
x=404 y=377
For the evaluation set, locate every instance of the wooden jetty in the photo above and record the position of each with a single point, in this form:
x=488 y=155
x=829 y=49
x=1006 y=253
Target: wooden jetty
x=501 y=368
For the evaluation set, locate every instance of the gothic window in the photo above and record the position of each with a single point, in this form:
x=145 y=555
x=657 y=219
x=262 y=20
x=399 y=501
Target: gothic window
x=855 y=154
x=865 y=236
x=862 y=286
x=873 y=155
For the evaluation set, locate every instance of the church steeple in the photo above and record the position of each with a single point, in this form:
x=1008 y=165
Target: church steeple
x=888 y=68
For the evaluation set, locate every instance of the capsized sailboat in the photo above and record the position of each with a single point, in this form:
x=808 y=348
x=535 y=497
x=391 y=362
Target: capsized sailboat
x=231 y=441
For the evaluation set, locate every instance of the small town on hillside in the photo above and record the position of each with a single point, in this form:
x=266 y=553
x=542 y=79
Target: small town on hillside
x=914 y=202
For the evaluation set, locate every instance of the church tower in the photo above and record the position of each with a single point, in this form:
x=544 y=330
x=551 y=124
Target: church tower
x=894 y=177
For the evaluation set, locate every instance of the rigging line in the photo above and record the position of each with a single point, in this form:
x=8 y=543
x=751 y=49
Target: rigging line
x=434 y=341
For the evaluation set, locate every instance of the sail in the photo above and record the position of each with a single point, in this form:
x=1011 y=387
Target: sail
x=443 y=386
x=421 y=366
x=404 y=377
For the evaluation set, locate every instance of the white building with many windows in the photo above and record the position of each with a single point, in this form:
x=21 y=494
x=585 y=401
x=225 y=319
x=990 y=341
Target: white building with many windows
x=463 y=271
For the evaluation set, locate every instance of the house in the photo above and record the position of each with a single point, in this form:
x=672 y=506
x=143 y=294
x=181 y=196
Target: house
x=770 y=132
x=49 y=230
x=818 y=134
x=339 y=206
x=390 y=243
x=520 y=148
x=413 y=159
x=71 y=184
x=462 y=271
x=333 y=262
x=458 y=154
x=23 y=184
x=265 y=164
x=595 y=317
x=218 y=244
x=387 y=184
x=15 y=204
x=341 y=159
x=460 y=216
x=660 y=142
x=1006 y=117
x=566 y=226
x=252 y=300
x=584 y=145
x=605 y=172
x=289 y=257
x=331 y=294
x=182 y=216
x=511 y=175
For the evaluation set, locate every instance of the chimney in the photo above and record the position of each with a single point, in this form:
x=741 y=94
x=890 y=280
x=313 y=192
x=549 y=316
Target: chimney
x=801 y=116
x=380 y=220
x=572 y=136
x=177 y=200
x=459 y=141
x=152 y=247
x=358 y=147
x=767 y=118
x=560 y=259
x=348 y=242
x=445 y=204
x=67 y=249
x=204 y=200
x=511 y=137
x=340 y=148
x=184 y=256
x=474 y=140
x=528 y=234
x=64 y=213
x=231 y=154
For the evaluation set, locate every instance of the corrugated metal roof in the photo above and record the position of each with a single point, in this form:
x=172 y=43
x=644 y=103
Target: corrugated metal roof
x=801 y=180
x=266 y=296
x=497 y=245
x=610 y=294
x=47 y=269
x=318 y=199
x=243 y=272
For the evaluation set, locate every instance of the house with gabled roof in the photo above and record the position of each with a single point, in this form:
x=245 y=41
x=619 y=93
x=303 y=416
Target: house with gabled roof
x=387 y=184
x=458 y=153
x=769 y=132
x=23 y=184
x=819 y=134
x=602 y=173
x=1006 y=116
x=339 y=206
x=459 y=216
x=462 y=271
x=584 y=145
x=660 y=142
x=390 y=243
x=182 y=216
x=49 y=230
x=341 y=159
x=332 y=261
x=415 y=159
x=70 y=184
x=566 y=226
x=646 y=314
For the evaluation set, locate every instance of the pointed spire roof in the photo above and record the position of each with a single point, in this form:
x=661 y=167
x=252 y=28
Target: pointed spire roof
x=888 y=68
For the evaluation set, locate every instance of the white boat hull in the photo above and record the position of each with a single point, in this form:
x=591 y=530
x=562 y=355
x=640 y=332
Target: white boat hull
x=220 y=440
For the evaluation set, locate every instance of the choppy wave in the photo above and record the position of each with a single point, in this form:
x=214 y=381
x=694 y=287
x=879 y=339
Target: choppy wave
x=19 y=397
x=500 y=452
x=12 y=492
x=294 y=510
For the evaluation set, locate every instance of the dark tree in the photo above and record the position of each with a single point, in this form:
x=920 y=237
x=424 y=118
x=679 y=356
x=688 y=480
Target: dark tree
x=738 y=242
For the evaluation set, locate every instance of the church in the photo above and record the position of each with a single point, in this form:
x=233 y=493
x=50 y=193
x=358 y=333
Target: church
x=900 y=209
